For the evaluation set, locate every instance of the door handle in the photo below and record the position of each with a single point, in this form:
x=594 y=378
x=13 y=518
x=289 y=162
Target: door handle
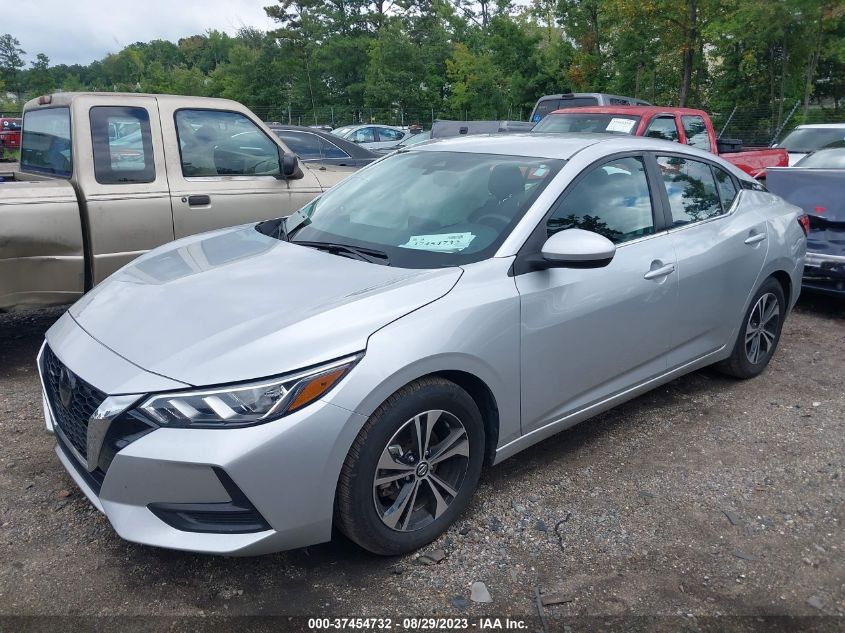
x=199 y=201
x=755 y=237
x=657 y=273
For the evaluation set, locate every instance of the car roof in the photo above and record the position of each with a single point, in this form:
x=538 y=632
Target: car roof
x=353 y=149
x=553 y=145
x=633 y=110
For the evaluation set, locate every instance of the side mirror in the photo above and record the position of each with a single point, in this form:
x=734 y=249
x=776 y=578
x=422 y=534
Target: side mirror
x=288 y=165
x=576 y=248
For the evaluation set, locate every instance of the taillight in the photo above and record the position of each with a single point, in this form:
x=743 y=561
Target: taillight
x=804 y=221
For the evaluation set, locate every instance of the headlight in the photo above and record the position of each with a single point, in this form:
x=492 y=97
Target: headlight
x=245 y=404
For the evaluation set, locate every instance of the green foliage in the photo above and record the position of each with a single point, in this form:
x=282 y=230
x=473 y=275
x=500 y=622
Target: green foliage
x=413 y=60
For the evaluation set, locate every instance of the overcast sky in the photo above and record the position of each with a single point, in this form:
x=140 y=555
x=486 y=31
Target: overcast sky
x=80 y=31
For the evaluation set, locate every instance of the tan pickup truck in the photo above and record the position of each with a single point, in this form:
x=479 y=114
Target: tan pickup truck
x=105 y=177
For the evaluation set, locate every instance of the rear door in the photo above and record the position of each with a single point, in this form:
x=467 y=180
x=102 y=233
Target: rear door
x=223 y=169
x=720 y=248
x=125 y=188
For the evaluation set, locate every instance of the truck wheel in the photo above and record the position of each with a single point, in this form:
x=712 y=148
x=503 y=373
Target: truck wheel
x=412 y=469
x=759 y=333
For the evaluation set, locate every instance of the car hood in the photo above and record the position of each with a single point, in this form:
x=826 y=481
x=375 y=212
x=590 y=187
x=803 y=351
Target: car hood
x=236 y=305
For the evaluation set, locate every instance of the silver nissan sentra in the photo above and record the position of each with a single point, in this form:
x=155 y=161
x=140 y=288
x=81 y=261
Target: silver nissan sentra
x=358 y=363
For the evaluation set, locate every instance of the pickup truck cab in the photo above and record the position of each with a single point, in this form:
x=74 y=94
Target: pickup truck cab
x=682 y=125
x=10 y=136
x=106 y=177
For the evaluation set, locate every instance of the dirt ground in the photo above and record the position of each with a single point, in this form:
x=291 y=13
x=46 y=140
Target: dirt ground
x=708 y=500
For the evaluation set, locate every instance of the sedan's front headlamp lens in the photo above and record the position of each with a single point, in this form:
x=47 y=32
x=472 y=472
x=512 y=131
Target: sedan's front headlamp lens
x=244 y=405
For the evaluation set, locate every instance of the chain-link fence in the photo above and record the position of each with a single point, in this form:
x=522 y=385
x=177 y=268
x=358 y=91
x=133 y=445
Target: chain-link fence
x=765 y=125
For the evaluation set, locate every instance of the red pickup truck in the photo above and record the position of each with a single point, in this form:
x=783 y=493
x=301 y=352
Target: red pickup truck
x=683 y=125
x=10 y=136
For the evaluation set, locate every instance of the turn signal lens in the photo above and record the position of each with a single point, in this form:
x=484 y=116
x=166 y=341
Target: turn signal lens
x=313 y=388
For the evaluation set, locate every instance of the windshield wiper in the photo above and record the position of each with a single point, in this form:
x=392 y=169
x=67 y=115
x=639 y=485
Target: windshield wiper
x=344 y=250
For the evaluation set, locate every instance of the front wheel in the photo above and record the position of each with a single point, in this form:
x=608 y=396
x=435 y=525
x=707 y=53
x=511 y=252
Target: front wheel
x=759 y=333
x=412 y=469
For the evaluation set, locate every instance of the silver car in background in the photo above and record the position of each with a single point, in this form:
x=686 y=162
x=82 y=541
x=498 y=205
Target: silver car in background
x=358 y=363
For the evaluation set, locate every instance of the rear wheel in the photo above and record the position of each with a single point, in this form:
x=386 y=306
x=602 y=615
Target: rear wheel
x=759 y=334
x=412 y=469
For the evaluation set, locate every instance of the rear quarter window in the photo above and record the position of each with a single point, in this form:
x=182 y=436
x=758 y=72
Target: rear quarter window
x=122 y=145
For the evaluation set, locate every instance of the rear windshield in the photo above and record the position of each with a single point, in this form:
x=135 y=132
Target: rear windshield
x=545 y=106
x=584 y=122
x=46 y=147
x=10 y=125
x=810 y=139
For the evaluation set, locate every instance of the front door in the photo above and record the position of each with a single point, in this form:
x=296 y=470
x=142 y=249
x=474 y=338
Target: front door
x=588 y=334
x=223 y=171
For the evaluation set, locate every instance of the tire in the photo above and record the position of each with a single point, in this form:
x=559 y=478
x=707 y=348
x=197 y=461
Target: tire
x=746 y=360
x=371 y=513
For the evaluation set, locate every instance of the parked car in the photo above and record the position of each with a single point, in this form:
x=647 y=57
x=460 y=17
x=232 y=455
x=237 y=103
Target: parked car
x=106 y=177
x=316 y=146
x=373 y=136
x=550 y=103
x=683 y=125
x=811 y=137
x=10 y=137
x=817 y=184
x=357 y=364
x=419 y=137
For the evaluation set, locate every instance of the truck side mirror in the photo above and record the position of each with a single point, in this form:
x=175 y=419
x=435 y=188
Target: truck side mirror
x=288 y=165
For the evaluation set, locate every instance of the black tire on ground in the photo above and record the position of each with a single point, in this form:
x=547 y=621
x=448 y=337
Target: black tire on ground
x=742 y=362
x=356 y=514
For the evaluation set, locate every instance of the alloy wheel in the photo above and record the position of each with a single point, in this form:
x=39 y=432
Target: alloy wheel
x=762 y=328
x=421 y=470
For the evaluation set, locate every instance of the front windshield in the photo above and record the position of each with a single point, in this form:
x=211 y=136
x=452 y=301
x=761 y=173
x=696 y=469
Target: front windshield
x=809 y=139
x=585 y=122
x=425 y=209
x=824 y=159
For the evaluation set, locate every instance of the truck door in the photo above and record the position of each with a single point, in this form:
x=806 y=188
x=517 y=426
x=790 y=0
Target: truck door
x=224 y=170
x=126 y=195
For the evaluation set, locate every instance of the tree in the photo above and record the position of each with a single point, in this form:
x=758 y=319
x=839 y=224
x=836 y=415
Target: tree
x=39 y=80
x=11 y=61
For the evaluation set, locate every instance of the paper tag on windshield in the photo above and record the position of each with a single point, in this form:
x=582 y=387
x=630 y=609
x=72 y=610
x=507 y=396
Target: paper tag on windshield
x=442 y=243
x=620 y=125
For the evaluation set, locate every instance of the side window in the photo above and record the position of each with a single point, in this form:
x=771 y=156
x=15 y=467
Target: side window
x=663 y=127
x=122 y=145
x=612 y=200
x=364 y=135
x=305 y=145
x=696 y=132
x=386 y=134
x=691 y=189
x=218 y=143
x=727 y=187
x=330 y=150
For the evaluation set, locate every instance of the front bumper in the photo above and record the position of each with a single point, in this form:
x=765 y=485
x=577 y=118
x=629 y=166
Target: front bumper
x=286 y=471
x=824 y=273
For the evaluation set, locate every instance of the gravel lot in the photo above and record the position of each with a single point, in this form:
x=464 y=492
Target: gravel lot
x=706 y=497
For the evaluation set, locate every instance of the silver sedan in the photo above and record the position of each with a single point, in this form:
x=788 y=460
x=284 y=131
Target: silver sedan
x=358 y=363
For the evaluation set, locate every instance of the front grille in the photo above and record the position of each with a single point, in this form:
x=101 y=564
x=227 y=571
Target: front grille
x=84 y=400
